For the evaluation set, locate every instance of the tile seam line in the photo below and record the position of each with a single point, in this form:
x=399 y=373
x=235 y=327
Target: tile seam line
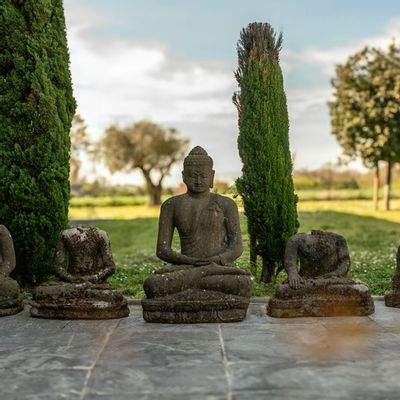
x=85 y=388
x=225 y=363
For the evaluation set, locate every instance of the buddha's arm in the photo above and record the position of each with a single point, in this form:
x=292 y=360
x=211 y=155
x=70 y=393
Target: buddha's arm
x=343 y=260
x=290 y=262
x=165 y=233
x=7 y=253
x=232 y=225
x=108 y=261
x=58 y=263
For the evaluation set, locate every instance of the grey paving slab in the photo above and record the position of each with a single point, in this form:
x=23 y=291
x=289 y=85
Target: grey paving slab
x=386 y=317
x=261 y=357
x=155 y=396
x=191 y=378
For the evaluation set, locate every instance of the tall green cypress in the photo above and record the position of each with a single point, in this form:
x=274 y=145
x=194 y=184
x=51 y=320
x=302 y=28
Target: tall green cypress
x=266 y=184
x=36 y=110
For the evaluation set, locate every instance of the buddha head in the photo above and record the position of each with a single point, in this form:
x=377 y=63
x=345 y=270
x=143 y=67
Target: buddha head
x=198 y=173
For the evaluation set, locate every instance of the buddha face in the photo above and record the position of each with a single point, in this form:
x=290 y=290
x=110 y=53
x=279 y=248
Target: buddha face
x=198 y=178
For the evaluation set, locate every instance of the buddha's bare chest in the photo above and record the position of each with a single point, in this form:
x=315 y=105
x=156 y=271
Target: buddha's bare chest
x=190 y=218
x=81 y=249
x=318 y=255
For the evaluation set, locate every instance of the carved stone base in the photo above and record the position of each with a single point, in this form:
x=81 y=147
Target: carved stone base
x=59 y=300
x=10 y=306
x=322 y=298
x=10 y=297
x=392 y=299
x=83 y=310
x=195 y=306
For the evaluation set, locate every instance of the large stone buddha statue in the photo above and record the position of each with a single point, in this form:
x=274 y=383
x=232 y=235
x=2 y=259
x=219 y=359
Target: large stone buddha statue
x=321 y=287
x=10 y=293
x=199 y=283
x=83 y=261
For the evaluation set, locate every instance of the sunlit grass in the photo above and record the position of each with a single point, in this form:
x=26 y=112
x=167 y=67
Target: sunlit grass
x=356 y=207
x=119 y=212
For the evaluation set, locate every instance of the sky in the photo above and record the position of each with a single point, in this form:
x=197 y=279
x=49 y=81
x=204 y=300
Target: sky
x=173 y=61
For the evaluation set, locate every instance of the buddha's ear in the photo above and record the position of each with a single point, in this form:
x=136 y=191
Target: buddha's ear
x=212 y=179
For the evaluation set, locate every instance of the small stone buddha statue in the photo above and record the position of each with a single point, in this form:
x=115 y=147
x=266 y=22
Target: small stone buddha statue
x=10 y=293
x=392 y=297
x=82 y=291
x=321 y=286
x=199 y=284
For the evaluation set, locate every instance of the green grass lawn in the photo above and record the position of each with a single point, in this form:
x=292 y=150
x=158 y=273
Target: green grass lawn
x=372 y=237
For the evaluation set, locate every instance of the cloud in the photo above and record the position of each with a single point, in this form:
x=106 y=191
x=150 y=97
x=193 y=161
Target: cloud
x=309 y=115
x=326 y=59
x=117 y=80
x=120 y=81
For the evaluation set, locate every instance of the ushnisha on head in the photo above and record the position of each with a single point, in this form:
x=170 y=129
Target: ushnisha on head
x=198 y=173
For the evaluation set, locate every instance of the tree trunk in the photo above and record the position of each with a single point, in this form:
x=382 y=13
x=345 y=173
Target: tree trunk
x=375 y=188
x=155 y=196
x=253 y=255
x=153 y=190
x=74 y=171
x=387 y=187
x=268 y=271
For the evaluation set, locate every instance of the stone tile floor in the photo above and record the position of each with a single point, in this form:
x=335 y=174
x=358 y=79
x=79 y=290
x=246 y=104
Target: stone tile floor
x=259 y=358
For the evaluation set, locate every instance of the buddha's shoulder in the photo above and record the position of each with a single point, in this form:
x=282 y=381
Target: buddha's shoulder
x=174 y=201
x=224 y=201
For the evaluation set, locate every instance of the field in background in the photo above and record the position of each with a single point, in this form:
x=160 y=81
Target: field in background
x=342 y=194
x=304 y=195
x=372 y=236
x=116 y=212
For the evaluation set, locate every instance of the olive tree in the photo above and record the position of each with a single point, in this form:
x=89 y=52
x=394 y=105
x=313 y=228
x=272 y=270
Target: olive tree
x=146 y=146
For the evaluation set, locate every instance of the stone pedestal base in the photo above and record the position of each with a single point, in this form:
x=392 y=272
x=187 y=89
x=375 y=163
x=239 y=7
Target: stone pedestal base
x=195 y=306
x=322 y=298
x=392 y=299
x=10 y=297
x=61 y=300
x=10 y=306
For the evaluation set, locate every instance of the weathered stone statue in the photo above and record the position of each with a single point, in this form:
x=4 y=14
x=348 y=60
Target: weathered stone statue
x=321 y=287
x=200 y=284
x=392 y=297
x=10 y=293
x=83 y=292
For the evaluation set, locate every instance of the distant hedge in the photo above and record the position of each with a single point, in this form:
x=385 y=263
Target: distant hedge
x=108 y=201
x=36 y=110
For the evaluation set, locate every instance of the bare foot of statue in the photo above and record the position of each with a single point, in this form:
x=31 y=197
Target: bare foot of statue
x=199 y=284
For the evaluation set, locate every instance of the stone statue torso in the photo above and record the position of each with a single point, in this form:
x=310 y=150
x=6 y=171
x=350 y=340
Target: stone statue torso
x=201 y=226
x=7 y=253
x=318 y=254
x=83 y=248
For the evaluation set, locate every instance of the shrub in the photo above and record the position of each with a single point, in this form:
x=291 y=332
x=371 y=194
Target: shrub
x=266 y=184
x=36 y=111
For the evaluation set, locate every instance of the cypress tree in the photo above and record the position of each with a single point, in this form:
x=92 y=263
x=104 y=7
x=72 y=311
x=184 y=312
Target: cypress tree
x=266 y=184
x=36 y=110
